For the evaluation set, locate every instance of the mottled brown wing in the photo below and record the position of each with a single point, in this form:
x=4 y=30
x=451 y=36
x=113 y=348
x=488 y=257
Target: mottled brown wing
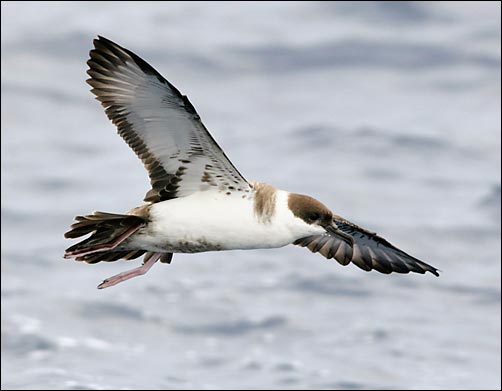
x=160 y=125
x=369 y=251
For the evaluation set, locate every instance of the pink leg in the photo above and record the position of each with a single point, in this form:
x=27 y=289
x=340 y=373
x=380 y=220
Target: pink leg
x=147 y=264
x=104 y=247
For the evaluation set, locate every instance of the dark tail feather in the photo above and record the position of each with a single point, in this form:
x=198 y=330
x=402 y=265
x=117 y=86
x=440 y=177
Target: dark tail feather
x=110 y=256
x=89 y=223
x=108 y=231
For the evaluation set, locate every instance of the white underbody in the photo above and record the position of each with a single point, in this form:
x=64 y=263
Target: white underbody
x=214 y=221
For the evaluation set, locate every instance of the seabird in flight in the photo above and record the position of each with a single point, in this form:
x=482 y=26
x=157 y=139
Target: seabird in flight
x=199 y=201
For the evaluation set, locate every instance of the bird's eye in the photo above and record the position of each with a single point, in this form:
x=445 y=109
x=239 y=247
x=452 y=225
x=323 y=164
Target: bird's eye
x=314 y=216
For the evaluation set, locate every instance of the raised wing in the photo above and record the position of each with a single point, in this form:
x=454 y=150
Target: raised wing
x=160 y=125
x=369 y=251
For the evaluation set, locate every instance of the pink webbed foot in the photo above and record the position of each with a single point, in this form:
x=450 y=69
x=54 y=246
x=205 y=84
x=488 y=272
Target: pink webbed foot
x=102 y=247
x=149 y=261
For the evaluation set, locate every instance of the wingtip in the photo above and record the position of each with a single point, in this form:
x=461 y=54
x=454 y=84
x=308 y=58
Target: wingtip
x=428 y=268
x=436 y=272
x=101 y=38
x=96 y=41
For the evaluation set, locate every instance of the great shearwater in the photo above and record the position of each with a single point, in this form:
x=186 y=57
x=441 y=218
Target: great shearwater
x=199 y=201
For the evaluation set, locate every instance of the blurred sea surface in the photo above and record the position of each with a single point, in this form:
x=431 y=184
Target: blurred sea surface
x=388 y=112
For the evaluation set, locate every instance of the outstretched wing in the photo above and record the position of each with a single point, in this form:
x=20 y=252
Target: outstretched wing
x=369 y=251
x=160 y=125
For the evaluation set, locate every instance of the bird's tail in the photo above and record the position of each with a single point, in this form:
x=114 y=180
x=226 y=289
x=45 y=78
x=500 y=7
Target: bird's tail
x=108 y=230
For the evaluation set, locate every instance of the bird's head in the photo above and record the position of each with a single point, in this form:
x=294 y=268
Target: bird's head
x=311 y=211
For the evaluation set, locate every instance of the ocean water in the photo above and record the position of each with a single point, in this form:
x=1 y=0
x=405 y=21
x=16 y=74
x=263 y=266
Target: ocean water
x=388 y=112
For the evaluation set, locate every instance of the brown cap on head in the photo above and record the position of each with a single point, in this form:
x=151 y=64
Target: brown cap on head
x=309 y=209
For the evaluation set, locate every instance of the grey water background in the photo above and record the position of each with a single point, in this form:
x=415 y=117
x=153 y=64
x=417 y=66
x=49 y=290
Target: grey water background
x=387 y=112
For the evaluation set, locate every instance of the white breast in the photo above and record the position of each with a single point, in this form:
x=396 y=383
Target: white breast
x=211 y=221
